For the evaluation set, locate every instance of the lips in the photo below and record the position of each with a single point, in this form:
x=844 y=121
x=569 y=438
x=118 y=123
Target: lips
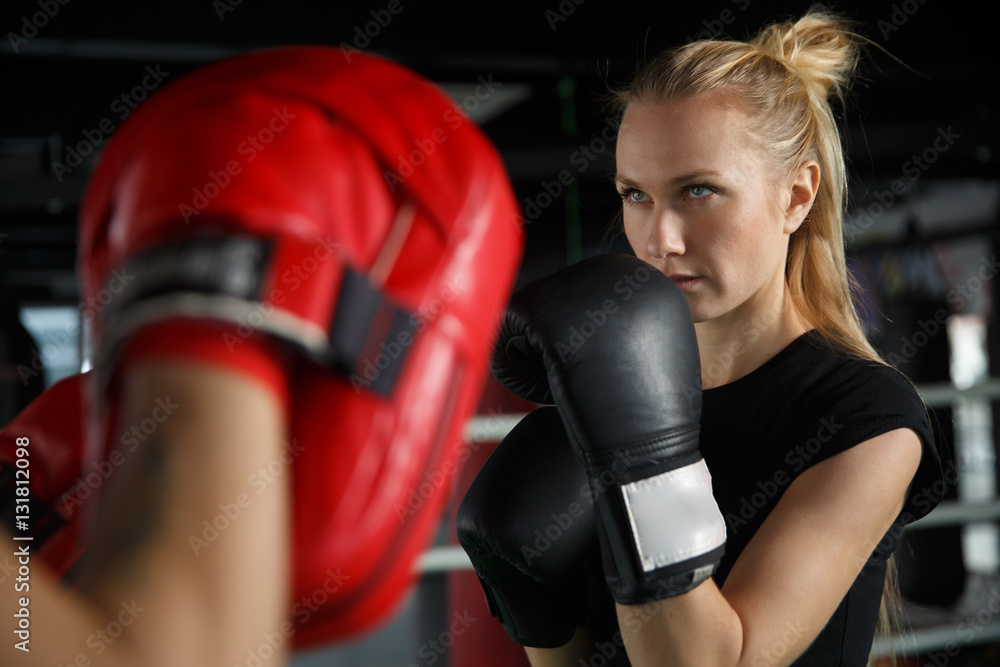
x=685 y=282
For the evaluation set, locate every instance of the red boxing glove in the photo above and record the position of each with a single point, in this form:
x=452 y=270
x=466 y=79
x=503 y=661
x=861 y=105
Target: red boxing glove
x=36 y=496
x=349 y=212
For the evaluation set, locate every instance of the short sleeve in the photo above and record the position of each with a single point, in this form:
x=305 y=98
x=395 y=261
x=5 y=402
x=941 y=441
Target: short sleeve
x=866 y=400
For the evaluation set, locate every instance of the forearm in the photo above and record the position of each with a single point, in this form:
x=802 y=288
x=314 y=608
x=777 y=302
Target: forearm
x=150 y=592
x=699 y=628
x=208 y=595
x=61 y=628
x=578 y=648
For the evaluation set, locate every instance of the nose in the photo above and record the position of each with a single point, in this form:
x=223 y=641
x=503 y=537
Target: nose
x=666 y=235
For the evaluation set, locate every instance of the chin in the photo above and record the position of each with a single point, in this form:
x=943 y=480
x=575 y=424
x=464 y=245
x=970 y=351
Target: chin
x=699 y=313
x=705 y=310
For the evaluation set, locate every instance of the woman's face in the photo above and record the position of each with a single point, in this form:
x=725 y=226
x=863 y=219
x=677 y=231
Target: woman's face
x=701 y=205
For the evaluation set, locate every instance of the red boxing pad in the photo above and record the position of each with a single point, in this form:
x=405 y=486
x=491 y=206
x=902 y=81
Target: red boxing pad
x=351 y=211
x=50 y=486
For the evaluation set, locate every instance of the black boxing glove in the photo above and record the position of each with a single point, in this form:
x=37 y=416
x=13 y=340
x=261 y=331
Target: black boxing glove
x=610 y=341
x=527 y=523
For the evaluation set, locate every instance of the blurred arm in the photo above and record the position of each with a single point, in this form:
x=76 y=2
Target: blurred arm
x=154 y=591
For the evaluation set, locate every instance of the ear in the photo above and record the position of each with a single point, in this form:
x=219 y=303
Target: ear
x=802 y=193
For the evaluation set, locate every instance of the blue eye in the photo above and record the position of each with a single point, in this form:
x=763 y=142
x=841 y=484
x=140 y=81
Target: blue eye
x=633 y=196
x=700 y=191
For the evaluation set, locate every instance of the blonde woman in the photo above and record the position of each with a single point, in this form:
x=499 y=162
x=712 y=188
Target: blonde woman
x=732 y=178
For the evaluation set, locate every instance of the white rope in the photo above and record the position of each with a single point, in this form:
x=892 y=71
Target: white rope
x=956 y=513
x=942 y=394
x=491 y=428
x=953 y=637
x=443 y=559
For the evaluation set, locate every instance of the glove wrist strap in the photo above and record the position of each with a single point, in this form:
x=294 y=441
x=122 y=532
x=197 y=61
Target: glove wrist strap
x=662 y=535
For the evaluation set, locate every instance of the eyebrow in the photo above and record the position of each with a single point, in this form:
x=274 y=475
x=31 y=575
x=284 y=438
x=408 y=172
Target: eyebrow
x=678 y=180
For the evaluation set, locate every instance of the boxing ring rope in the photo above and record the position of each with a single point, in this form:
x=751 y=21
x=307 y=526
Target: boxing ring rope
x=948 y=513
x=493 y=428
x=926 y=640
x=942 y=394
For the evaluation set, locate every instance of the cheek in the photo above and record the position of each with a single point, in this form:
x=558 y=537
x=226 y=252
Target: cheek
x=718 y=232
x=755 y=230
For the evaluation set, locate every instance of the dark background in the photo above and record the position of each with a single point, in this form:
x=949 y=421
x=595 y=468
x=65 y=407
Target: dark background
x=60 y=83
x=931 y=70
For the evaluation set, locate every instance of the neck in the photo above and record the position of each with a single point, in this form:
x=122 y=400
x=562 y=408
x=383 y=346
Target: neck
x=741 y=341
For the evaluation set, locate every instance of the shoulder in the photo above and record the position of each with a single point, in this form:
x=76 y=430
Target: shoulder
x=813 y=394
x=810 y=368
x=811 y=402
x=825 y=381
x=824 y=360
x=875 y=417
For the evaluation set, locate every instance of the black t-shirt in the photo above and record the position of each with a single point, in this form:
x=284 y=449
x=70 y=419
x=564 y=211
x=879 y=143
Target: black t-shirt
x=802 y=406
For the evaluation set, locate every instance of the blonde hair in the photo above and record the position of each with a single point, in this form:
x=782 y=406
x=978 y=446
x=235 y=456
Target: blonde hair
x=785 y=78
